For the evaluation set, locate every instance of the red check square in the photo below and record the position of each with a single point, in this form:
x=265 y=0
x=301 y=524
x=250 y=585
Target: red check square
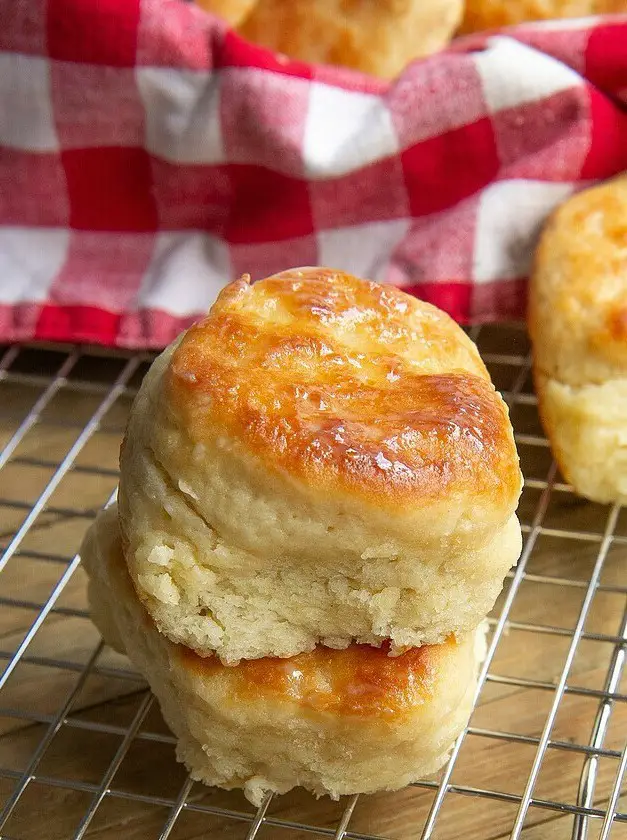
x=371 y=193
x=267 y=206
x=606 y=58
x=192 y=196
x=501 y=300
x=84 y=323
x=547 y=139
x=110 y=189
x=444 y=170
x=24 y=29
x=102 y=32
x=607 y=153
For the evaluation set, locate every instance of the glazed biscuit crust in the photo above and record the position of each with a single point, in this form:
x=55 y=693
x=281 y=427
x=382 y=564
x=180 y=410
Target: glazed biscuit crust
x=349 y=386
x=357 y=681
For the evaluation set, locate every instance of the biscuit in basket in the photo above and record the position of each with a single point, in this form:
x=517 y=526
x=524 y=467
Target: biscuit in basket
x=378 y=37
x=233 y=11
x=320 y=460
x=333 y=721
x=491 y=14
x=578 y=326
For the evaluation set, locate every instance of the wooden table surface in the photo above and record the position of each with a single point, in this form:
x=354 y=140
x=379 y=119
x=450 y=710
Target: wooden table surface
x=103 y=724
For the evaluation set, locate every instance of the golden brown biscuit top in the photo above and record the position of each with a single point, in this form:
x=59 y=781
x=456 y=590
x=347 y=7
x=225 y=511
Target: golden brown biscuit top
x=345 y=383
x=359 y=680
x=578 y=301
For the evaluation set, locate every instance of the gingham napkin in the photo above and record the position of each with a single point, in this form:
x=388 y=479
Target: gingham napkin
x=148 y=154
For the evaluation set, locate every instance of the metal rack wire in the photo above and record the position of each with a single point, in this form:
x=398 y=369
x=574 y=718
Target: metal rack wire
x=83 y=752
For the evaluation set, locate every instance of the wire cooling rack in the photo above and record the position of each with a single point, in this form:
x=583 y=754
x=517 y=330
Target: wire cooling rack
x=85 y=753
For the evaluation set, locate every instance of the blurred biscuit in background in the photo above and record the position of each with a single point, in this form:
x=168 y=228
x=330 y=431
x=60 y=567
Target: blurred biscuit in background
x=578 y=326
x=379 y=38
x=491 y=14
x=233 y=11
x=376 y=36
x=382 y=36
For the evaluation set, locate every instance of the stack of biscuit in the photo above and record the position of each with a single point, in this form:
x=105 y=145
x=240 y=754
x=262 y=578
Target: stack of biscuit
x=316 y=511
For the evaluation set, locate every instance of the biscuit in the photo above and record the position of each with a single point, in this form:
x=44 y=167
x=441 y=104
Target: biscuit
x=320 y=460
x=234 y=12
x=491 y=14
x=379 y=37
x=333 y=721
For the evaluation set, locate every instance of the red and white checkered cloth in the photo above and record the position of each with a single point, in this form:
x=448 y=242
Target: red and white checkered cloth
x=148 y=154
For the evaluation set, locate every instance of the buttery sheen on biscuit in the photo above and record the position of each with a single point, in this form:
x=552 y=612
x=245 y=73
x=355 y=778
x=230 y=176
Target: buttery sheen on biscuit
x=578 y=326
x=333 y=721
x=320 y=460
